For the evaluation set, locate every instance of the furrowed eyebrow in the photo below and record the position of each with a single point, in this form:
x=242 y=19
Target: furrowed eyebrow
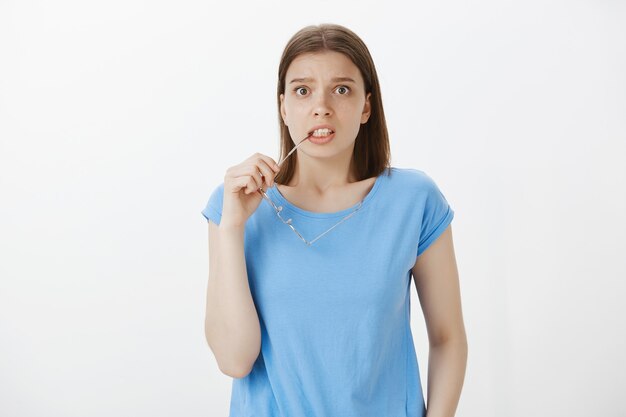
x=311 y=80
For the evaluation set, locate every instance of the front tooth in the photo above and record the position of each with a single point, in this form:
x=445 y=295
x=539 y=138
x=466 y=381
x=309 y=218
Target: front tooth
x=321 y=132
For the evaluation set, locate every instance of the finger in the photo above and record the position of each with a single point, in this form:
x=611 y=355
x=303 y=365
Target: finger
x=251 y=185
x=251 y=174
x=240 y=184
x=269 y=161
x=256 y=175
x=267 y=172
x=258 y=166
x=246 y=180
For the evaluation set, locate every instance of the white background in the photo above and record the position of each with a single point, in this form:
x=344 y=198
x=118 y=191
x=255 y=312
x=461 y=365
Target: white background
x=118 y=118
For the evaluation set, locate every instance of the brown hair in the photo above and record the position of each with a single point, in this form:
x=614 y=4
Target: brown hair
x=371 y=154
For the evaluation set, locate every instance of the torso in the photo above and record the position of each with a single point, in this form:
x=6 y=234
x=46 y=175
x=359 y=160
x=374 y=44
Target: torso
x=335 y=201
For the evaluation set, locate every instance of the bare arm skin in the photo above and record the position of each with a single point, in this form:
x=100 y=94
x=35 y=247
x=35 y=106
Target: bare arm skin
x=437 y=282
x=232 y=326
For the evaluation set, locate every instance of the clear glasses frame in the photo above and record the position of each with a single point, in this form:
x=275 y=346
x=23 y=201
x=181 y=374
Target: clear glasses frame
x=288 y=222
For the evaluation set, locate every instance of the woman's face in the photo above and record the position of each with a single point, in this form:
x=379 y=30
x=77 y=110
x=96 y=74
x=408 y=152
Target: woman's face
x=324 y=88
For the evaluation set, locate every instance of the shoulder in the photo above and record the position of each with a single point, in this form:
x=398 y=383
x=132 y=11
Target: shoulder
x=218 y=192
x=411 y=179
x=213 y=207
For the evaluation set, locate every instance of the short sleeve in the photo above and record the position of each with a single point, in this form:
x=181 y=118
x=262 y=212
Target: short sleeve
x=213 y=209
x=437 y=215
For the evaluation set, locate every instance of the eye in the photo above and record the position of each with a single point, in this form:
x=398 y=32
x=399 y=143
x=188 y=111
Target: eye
x=298 y=89
x=343 y=88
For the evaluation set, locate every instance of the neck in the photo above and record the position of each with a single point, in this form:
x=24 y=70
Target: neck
x=321 y=175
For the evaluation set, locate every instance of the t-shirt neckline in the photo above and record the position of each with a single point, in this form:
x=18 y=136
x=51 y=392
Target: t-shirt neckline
x=280 y=200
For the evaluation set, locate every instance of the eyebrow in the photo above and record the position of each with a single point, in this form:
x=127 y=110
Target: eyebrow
x=311 y=80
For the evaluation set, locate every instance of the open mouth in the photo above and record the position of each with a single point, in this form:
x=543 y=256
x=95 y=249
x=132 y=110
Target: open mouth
x=321 y=133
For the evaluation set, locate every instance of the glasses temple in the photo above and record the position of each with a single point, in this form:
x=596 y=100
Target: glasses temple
x=294 y=148
x=261 y=190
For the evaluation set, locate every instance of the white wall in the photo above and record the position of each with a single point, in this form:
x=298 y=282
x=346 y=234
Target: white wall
x=118 y=118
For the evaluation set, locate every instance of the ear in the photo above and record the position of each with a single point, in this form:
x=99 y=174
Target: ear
x=367 y=109
x=283 y=114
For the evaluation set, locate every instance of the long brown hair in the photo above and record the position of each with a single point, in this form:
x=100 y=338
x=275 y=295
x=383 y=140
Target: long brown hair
x=371 y=154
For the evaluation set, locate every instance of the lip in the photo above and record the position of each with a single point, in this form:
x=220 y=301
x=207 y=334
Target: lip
x=313 y=129
x=321 y=140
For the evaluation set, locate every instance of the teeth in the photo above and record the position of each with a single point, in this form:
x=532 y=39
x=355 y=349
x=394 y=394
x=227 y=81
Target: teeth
x=322 y=132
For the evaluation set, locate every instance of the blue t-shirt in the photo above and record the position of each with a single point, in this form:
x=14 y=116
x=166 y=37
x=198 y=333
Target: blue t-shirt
x=335 y=316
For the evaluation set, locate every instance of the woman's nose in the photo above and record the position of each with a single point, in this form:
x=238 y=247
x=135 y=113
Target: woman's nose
x=321 y=105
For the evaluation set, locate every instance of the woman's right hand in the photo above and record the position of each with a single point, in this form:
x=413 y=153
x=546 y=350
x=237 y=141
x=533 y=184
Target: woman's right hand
x=241 y=184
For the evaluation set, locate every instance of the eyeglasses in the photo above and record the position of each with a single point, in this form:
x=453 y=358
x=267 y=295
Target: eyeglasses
x=288 y=222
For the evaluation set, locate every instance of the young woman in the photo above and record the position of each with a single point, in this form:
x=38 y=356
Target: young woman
x=308 y=299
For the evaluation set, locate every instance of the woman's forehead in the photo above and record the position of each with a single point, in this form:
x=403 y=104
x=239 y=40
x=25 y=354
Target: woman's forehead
x=327 y=64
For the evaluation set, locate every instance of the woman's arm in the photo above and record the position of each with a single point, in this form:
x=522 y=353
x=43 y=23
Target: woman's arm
x=232 y=326
x=437 y=283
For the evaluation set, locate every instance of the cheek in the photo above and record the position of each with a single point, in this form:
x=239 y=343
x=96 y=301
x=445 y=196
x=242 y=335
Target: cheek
x=353 y=112
x=350 y=105
x=295 y=111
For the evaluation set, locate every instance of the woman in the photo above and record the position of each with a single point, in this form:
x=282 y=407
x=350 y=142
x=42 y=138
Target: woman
x=308 y=299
